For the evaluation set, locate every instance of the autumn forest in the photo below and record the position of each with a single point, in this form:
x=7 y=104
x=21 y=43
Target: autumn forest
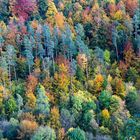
x=69 y=69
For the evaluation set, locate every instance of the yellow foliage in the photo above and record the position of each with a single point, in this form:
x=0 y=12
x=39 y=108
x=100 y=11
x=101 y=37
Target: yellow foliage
x=51 y=12
x=105 y=114
x=1 y=88
x=2 y=27
x=112 y=1
x=95 y=7
x=63 y=68
x=109 y=78
x=62 y=81
x=31 y=100
x=118 y=15
x=54 y=119
x=85 y=96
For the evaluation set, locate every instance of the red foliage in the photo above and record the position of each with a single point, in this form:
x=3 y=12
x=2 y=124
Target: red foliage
x=22 y=8
x=131 y=6
x=123 y=68
x=112 y=9
x=62 y=60
x=129 y=54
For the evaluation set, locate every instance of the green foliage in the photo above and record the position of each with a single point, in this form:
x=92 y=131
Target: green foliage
x=10 y=106
x=76 y=133
x=131 y=101
x=42 y=102
x=114 y=103
x=104 y=99
x=67 y=69
x=44 y=133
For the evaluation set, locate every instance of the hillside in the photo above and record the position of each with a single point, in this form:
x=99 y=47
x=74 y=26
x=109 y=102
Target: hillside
x=69 y=70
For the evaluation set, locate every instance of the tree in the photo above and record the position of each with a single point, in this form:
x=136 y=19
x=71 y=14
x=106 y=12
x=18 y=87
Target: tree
x=59 y=20
x=129 y=54
x=10 y=106
x=51 y=12
x=131 y=6
x=107 y=56
x=118 y=87
x=42 y=102
x=114 y=40
x=39 y=50
x=1 y=42
x=75 y=134
x=105 y=117
x=104 y=99
x=42 y=7
x=10 y=54
x=4 y=10
x=4 y=70
x=114 y=103
x=44 y=133
x=23 y=8
x=131 y=101
x=19 y=104
x=48 y=43
x=27 y=128
x=99 y=55
x=67 y=120
x=82 y=47
x=80 y=31
x=28 y=53
x=32 y=82
x=31 y=100
x=55 y=118
x=62 y=78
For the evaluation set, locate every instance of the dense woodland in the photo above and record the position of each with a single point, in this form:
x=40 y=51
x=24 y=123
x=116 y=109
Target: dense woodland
x=69 y=70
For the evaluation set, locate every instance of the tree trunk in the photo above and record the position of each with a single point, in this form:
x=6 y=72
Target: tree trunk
x=15 y=73
x=117 y=54
x=10 y=77
x=29 y=69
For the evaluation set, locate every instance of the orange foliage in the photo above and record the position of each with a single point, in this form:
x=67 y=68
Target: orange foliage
x=61 y=134
x=1 y=89
x=34 y=24
x=31 y=83
x=27 y=128
x=61 y=78
x=59 y=20
x=51 y=98
x=98 y=82
x=112 y=9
